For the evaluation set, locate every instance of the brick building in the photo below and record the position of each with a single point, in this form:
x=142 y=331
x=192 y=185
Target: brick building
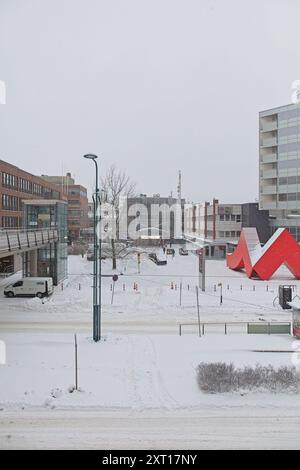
x=77 y=204
x=17 y=185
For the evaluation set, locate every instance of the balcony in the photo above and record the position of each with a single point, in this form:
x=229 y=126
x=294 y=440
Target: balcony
x=269 y=158
x=269 y=126
x=265 y=204
x=272 y=142
x=269 y=173
x=270 y=189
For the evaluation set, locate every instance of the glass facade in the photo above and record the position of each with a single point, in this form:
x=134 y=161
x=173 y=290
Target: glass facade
x=280 y=166
x=52 y=259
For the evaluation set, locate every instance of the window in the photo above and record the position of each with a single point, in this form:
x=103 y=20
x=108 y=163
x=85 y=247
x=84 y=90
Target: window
x=232 y=217
x=282 y=180
x=222 y=217
x=238 y=217
x=227 y=217
x=18 y=284
x=292 y=179
x=10 y=203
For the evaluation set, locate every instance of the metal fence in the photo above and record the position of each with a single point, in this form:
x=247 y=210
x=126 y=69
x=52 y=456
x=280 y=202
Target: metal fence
x=268 y=328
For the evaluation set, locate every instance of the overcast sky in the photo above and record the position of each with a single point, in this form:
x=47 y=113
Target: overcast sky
x=150 y=85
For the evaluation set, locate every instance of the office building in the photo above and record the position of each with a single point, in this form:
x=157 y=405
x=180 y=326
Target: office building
x=151 y=219
x=17 y=185
x=50 y=260
x=279 y=166
x=219 y=225
x=77 y=204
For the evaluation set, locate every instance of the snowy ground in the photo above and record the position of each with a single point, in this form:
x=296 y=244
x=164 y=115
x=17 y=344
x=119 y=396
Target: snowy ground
x=138 y=385
x=154 y=306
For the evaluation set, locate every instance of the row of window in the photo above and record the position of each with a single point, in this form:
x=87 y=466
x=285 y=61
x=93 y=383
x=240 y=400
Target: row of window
x=289 y=197
x=75 y=213
x=231 y=217
x=227 y=234
x=289 y=180
x=10 y=222
x=11 y=203
x=76 y=191
x=26 y=186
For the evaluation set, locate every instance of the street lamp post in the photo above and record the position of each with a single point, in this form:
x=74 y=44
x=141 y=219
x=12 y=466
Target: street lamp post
x=97 y=257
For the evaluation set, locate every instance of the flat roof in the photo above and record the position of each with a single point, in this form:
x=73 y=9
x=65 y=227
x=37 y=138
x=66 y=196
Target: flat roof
x=279 y=108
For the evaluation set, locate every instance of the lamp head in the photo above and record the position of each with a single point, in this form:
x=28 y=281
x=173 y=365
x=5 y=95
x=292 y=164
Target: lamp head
x=90 y=156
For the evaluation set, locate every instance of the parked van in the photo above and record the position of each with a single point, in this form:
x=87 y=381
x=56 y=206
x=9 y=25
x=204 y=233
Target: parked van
x=30 y=287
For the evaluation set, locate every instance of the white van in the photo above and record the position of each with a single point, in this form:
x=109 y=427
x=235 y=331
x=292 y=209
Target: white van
x=30 y=287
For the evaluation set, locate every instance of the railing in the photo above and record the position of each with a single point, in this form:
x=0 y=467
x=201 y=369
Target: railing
x=24 y=240
x=245 y=327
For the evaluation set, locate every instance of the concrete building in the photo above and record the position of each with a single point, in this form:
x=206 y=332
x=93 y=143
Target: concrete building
x=77 y=204
x=156 y=219
x=219 y=225
x=279 y=166
x=214 y=221
x=252 y=216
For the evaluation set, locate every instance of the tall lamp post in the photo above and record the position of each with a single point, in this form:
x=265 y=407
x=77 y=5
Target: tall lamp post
x=97 y=257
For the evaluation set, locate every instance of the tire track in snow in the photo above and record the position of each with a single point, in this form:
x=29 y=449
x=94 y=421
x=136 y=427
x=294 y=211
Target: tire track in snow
x=145 y=382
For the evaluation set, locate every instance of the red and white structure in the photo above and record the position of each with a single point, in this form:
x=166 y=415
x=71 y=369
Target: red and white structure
x=262 y=262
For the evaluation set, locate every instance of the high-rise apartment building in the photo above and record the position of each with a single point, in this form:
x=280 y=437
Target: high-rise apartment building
x=279 y=166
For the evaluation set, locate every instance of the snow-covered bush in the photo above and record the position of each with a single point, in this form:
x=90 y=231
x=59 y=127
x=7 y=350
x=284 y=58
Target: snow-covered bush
x=219 y=377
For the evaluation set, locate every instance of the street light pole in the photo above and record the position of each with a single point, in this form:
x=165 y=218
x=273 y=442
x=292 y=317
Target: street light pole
x=97 y=257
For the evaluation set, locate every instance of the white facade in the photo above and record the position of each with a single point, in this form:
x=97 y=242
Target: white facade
x=214 y=222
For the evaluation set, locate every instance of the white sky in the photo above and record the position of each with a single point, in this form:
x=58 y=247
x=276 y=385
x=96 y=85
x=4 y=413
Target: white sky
x=150 y=85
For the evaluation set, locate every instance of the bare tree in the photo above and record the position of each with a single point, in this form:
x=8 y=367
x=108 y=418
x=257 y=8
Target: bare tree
x=114 y=185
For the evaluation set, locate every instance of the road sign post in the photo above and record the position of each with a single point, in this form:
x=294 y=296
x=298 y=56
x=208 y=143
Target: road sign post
x=201 y=258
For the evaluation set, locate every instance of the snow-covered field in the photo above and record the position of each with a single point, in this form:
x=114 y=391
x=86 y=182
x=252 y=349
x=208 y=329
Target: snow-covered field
x=154 y=304
x=138 y=386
